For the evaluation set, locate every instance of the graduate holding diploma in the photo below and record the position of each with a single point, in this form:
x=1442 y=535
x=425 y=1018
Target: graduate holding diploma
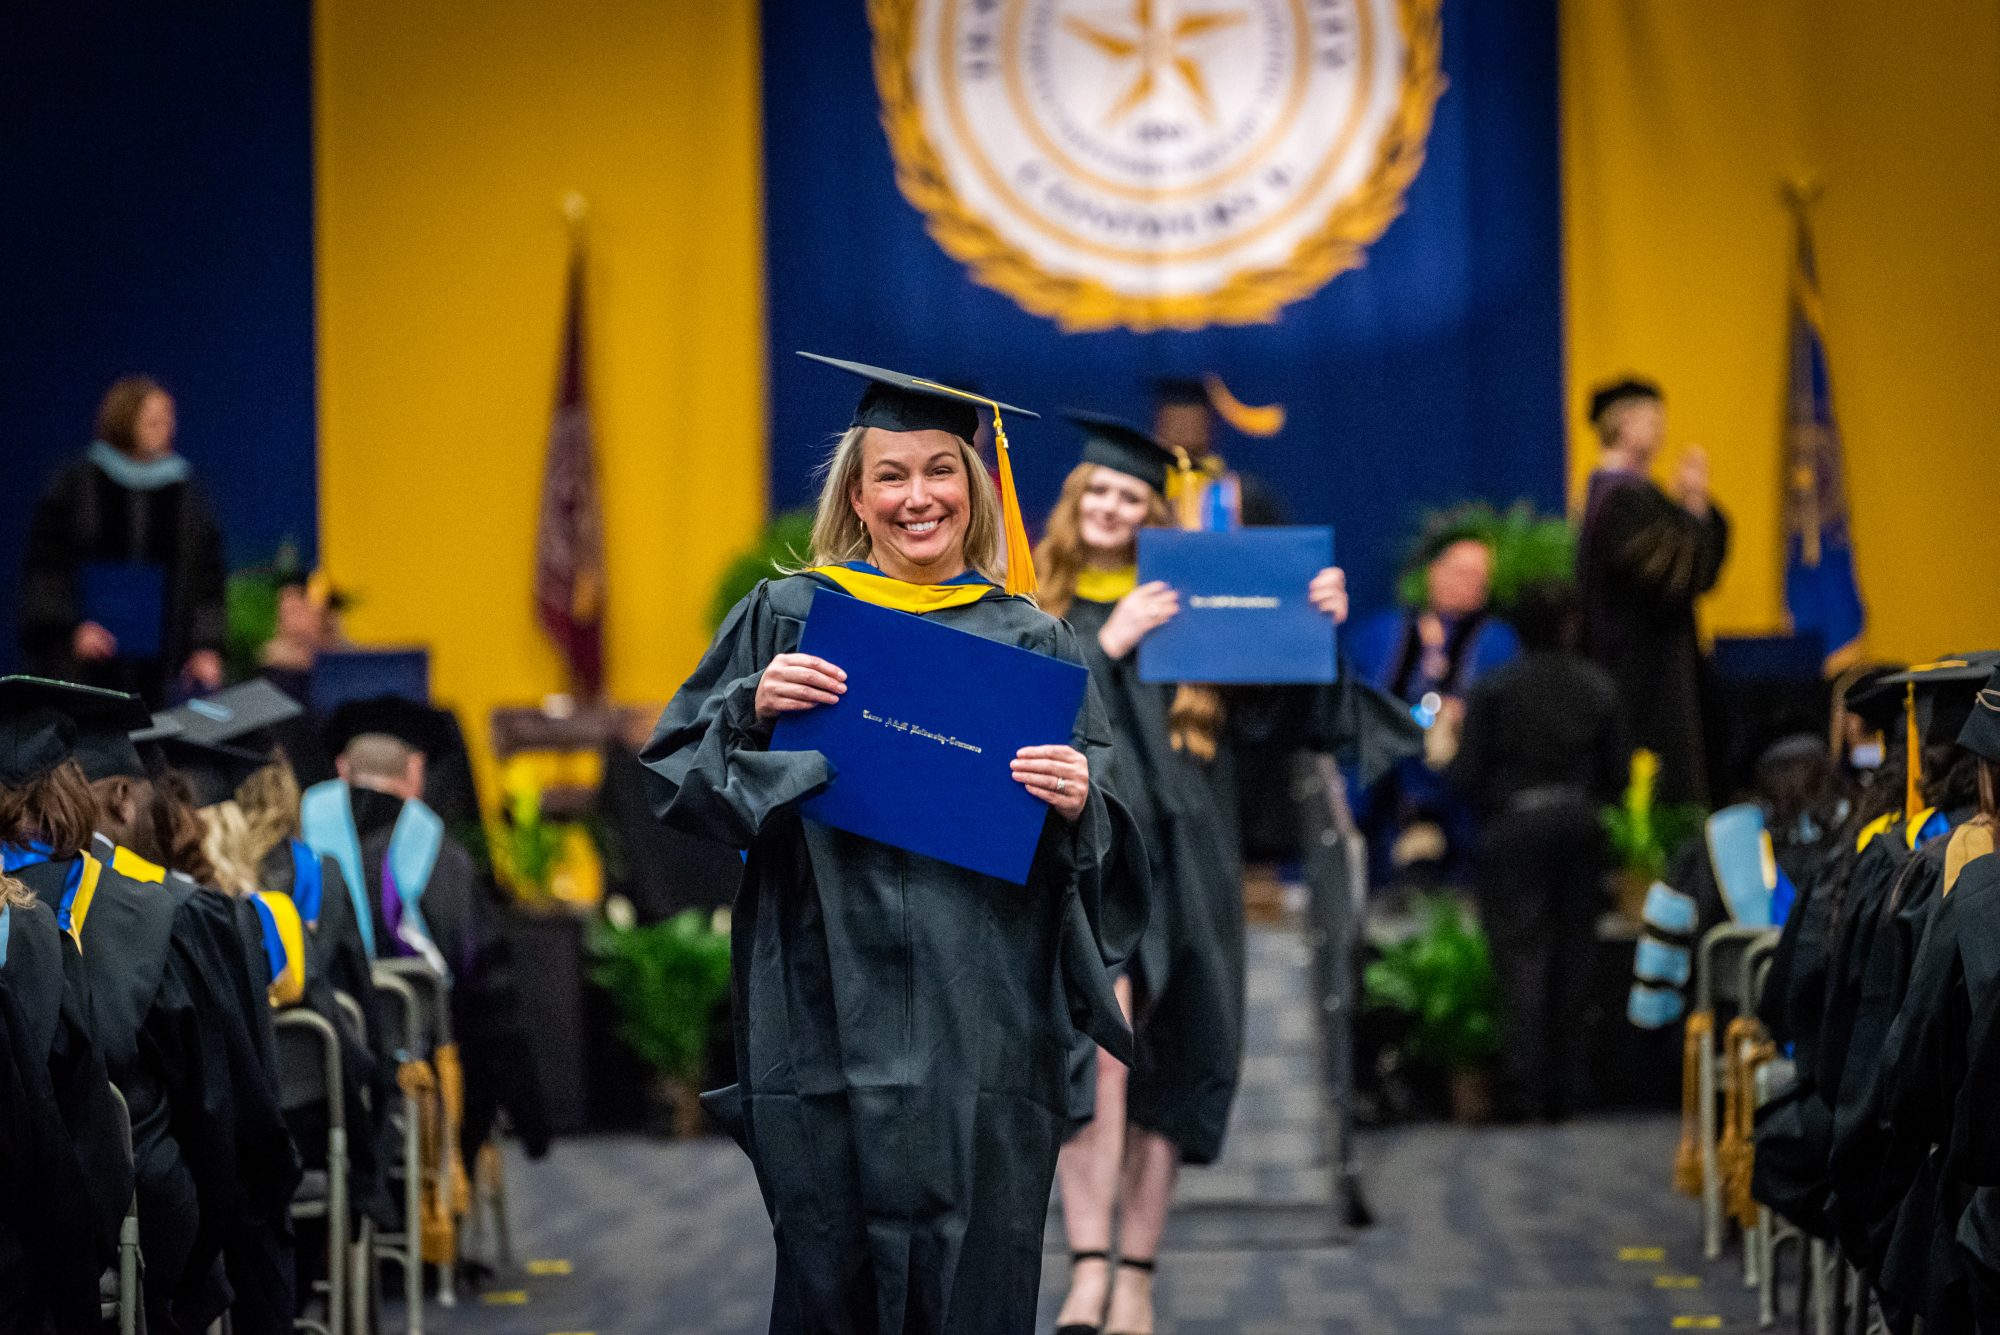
x=902 y=1025
x=1171 y=761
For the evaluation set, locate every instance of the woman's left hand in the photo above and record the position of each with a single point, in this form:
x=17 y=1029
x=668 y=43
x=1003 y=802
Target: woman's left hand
x=1328 y=592
x=204 y=669
x=1059 y=775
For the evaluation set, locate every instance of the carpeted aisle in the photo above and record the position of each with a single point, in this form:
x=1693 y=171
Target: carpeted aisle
x=1532 y=1231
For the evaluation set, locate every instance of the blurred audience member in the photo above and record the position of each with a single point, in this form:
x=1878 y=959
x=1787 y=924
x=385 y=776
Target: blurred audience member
x=1429 y=657
x=1543 y=749
x=125 y=534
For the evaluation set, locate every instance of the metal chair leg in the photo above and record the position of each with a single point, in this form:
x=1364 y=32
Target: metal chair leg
x=1711 y=1174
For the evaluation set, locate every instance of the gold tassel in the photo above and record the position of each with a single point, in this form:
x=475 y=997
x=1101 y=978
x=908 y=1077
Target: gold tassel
x=1687 y=1158
x=1020 y=552
x=451 y=1098
x=1734 y=1155
x=1262 y=422
x=422 y=1100
x=1913 y=790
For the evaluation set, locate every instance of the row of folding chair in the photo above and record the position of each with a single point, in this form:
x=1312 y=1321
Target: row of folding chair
x=1738 y=1074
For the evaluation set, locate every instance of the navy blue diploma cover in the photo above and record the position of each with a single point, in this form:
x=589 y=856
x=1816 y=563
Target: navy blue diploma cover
x=129 y=599
x=1244 y=616
x=923 y=741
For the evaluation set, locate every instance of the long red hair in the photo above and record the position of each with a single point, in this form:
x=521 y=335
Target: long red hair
x=1194 y=720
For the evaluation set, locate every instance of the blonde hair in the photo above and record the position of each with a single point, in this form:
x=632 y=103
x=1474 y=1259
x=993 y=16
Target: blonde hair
x=225 y=840
x=241 y=832
x=839 y=535
x=13 y=894
x=1194 y=719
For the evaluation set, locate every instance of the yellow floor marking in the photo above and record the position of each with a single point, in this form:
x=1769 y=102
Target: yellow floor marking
x=556 y=1266
x=1697 y=1323
x=1642 y=1253
x=505 y=1298
x=1677 y=1281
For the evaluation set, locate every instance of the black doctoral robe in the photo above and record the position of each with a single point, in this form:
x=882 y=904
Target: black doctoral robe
x=459 y=913
x=85 y=516
x=65 y=1171
x=1188 y=971
x=902 y=1026
x=1642 y=560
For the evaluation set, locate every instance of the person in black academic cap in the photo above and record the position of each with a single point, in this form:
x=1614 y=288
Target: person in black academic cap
x=1643 y=557
x=129 y=502
x=1185 y=410
x=170 y=1038
x=903 y=1026
x=1172 y=761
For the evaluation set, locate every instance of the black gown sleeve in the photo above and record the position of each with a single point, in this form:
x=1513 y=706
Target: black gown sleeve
x=1659 y=549
x=49 y=609
x=711 y=773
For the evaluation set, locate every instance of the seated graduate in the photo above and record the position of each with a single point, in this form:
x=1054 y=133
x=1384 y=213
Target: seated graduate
x=902 y=1025
x=255 y=950
x=152 y=1013
x=62 y=1153
x=424 y=897
x=1870 y=1173
x=1171 y=761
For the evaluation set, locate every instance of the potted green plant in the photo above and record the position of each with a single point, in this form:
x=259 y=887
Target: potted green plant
x=1643 y=834
x=1439 y=981
x=667 y=982
x=1528 y=547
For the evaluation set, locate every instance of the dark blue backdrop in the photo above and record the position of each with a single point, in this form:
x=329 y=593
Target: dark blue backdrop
x=1432 y=374
x=156 y=166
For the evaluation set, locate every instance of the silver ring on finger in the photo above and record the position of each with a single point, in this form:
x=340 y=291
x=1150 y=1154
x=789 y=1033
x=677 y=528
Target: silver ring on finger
x=1061 y=783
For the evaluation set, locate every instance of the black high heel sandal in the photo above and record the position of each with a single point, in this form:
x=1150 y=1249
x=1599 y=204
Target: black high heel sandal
x=1132 y=1263
x=1078 y=1328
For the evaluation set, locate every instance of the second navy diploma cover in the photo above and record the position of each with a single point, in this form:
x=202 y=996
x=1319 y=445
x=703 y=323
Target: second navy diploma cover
x=1244 y=617
x=922 y=744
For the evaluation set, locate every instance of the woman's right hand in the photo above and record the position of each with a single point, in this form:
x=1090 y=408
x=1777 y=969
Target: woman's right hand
x=795 y=682
x=92 y=643
x=1138 y=614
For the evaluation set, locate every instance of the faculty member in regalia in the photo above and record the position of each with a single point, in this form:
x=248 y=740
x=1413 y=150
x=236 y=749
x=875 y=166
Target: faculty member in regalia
x=902 y=1025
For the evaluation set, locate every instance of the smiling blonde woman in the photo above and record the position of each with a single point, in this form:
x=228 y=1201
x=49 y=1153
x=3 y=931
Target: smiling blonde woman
x=902 y=1026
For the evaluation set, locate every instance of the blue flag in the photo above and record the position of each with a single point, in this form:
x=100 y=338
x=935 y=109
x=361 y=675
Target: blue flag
x=1821 y=593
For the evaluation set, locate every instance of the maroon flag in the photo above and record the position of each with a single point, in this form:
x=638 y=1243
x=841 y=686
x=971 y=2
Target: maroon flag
x=569 y=537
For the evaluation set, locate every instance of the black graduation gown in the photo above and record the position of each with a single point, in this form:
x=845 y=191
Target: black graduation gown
x=85 y=516
x=459 y=911
x=1794 y=1131
x=1974 y=1158
x=1188 y=972
x=142 y=962
x=902 y=1026
x=1938 y=1079
x=337 y=963
x=65 y=1174
x=1642 y=560
x=253 y=1202
x=1871 y=1170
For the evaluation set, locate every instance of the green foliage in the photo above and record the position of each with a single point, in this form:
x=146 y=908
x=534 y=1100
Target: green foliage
x=1441 y=978
x=1527 y=548
x=668 y=981
x=784 y=543
x=1642 y=833
x=529 y=848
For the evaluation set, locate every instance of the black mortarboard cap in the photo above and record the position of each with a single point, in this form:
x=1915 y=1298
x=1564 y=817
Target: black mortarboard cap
x=1878 y=706
x=1981 y=733
x=1184 y=390
x=43 y=723
x=214 y=772
x=1945 y=689
x=233 y=713
x=1606 y=397
x=1118 y=444
x=415 y=726
x=898 y=402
